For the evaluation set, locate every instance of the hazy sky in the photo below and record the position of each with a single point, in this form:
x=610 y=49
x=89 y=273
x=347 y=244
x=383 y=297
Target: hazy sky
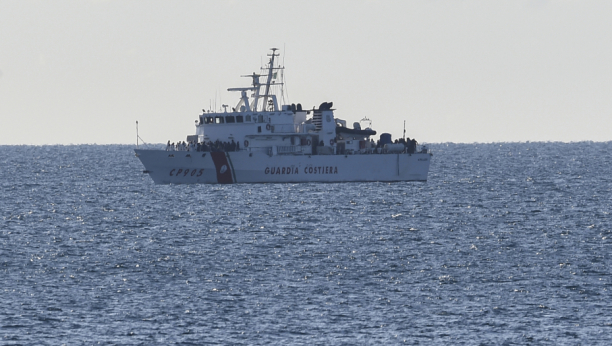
x=457 y=71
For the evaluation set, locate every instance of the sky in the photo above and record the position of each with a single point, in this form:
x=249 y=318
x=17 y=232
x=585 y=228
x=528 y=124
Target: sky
x=83 y=72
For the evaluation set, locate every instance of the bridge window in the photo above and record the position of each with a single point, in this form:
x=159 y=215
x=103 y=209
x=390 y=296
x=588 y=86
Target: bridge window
x=219 y=120
x=248 y=118
x=239 y=119
x=230 y=119
x=209 y=120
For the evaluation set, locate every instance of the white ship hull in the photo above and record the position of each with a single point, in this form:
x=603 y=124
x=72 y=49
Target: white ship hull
x=193 y=167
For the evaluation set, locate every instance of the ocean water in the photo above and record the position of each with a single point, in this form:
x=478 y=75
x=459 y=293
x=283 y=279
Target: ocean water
x=506 y=244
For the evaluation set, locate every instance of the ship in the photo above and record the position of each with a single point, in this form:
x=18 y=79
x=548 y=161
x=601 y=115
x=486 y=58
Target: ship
x=263 y=139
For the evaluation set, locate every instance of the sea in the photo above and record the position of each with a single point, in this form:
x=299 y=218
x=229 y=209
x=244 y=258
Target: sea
x=505 y=244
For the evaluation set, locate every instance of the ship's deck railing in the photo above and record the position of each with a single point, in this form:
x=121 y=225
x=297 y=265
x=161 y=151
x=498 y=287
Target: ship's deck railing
x=288 y=149
x=421 y=149
x=301 y=150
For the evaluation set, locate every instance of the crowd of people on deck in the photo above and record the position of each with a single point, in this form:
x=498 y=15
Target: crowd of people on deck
x=219 y=146
x=204 y=146
x=409 y=144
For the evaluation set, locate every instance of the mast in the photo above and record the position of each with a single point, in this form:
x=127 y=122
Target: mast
x=256 y=87
x=270 y=73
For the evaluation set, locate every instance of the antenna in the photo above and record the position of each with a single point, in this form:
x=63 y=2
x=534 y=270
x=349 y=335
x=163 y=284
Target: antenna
x=282 y=72
x=404 y=130
x=138 y=137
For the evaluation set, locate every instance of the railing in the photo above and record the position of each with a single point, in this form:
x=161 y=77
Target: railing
x=420 y=149
x=283 y=128
x=288 y=149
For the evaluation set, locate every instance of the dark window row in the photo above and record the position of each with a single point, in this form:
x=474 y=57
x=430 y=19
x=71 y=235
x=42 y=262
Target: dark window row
x=228 y=119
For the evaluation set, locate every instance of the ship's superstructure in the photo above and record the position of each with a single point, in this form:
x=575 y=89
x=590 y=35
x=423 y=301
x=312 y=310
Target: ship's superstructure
x=261 y=140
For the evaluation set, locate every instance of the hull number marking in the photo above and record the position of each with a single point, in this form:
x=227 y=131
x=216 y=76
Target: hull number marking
x=175 y=172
